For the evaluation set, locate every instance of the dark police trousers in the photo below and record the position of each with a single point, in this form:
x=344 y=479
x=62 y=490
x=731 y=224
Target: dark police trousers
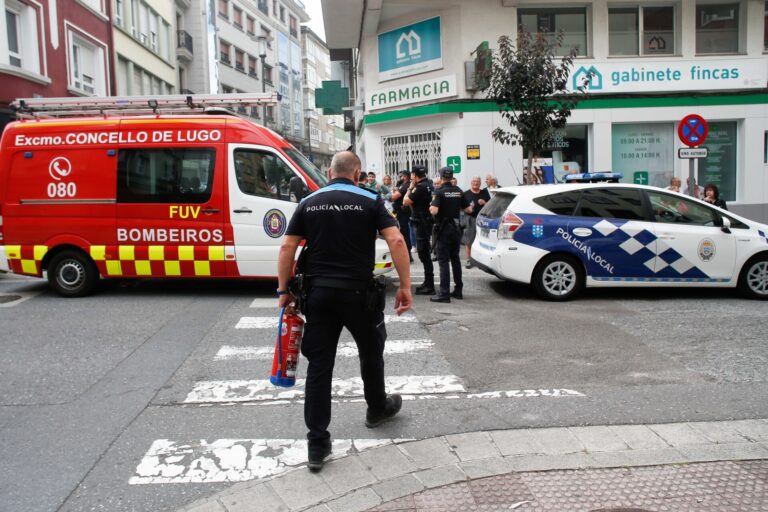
x=328 y=310
x=423 y=234
x=448 y=243
x=405 y=228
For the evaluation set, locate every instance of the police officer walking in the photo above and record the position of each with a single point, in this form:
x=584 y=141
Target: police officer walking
x=448 y=201
x=419 y=198
x=340 y=223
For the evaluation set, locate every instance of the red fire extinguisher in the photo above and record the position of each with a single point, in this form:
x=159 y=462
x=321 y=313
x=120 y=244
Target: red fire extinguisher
x=286 y=361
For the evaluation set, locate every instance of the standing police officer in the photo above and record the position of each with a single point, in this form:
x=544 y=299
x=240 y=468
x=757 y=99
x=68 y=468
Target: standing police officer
x=403 y=213
x=447 y=203
x=418 y=199
x=339 y=223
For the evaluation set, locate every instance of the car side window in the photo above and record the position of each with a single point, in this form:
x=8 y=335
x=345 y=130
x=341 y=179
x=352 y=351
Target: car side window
x=165 y=175
x=611 y=203
x=264 y=174
x=677 y=210
x=559 y=204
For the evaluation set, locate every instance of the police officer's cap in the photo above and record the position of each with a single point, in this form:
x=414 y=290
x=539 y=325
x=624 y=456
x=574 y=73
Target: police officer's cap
x=419 y=170
x=446 y=173
x=403 y=173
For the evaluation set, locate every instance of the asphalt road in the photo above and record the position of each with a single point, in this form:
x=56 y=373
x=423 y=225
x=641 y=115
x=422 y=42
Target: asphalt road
x=127 y=401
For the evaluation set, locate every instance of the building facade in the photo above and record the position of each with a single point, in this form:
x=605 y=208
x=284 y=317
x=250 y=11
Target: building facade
x=320 y=130
x=652 y=63
x=54 y=48
x=144 y=47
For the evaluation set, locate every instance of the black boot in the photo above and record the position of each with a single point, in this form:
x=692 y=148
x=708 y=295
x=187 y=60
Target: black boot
x=375 y=418
x=317 y=452
x=425 y=289
x=457 y=294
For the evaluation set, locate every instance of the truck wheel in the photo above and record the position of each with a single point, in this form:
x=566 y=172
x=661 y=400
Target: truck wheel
x=72 y=274
x=753 y=281
x=558 y=277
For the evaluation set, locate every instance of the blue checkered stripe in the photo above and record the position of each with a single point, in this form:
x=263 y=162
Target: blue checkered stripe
x=661 y=262
x=763 y=235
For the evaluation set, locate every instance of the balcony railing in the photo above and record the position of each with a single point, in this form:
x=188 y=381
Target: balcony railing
x=184 y=40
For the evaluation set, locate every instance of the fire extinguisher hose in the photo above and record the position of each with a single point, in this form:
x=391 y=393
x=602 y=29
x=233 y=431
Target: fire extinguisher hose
x=280 y=344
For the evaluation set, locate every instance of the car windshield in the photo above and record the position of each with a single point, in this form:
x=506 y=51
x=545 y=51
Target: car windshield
x=307 y=166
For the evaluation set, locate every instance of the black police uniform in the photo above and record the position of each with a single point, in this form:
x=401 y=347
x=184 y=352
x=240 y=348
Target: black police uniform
x=340 y=223
x=450 y=201
x=403 y=214
x=421 y=196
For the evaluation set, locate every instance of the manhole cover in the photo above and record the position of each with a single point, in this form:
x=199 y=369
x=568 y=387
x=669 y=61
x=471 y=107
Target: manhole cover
x=8 y=298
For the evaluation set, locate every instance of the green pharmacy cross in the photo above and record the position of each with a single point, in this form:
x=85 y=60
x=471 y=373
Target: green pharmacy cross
x=332 y=97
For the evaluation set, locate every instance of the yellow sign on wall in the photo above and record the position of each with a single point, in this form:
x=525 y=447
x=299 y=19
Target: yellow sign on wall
x=473 y=152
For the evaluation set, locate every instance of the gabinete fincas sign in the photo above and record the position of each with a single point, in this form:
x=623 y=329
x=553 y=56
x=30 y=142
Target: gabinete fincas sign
x=412 y=92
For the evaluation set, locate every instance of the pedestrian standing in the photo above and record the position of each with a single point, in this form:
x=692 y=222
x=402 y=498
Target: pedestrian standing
x=402 y=212
x=447 y=203
x=477 y=198
x=339 y=224
x=418 y=198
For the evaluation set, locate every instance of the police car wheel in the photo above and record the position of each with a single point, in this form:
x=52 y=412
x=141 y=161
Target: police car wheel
x=72 y=274
x=753 y=282
x=558 y=278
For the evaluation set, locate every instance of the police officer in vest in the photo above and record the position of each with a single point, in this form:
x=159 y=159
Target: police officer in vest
x=340 y=223
x=447 y=202
x=419 y=198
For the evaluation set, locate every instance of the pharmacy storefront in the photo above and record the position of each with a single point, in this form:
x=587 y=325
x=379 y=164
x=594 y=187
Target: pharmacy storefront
x=418 y=110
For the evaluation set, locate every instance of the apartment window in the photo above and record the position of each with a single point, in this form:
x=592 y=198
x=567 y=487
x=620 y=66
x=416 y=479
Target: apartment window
x=119 y=13
x=143 y=24
x=86 y=66
x=282 y=14
x=263 y=7
x=134 y=18
x=571 y=21
x=765 y=28
x=641 y=30
x=224 y=8
x=274 y=7
x=717 y=28
x=96 y=5
x=239 y=60
x=250 y=25
x=224 y=49
x=267 y=74
x=153 y=32
x=293 y=26
x=237 y=16
x=22 y=37
x=252 y=63
x=12 y=24
x=268 y=34
x=166 y=42
x=225 y=89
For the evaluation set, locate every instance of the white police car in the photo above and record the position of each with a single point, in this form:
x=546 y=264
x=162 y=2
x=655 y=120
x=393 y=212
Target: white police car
x=560 y=238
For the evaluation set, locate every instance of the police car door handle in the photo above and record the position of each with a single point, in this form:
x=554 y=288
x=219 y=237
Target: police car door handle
x=665 y=236
x=243 y=210
x=210 y=210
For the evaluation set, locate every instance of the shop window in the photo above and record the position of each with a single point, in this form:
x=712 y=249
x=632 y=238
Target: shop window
x=264 y=174
x=565 y=151
x=719 y=168
x=611 y=203
x=717 y=28
x=644 y=152
x=165 y=175
x=765 y=148
x=641 y=30
x=571 y=21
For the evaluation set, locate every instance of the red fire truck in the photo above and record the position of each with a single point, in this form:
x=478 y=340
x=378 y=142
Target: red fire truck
x=172 y=186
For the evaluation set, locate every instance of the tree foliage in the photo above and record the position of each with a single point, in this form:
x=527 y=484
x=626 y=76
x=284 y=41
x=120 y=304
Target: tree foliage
x=530 y=85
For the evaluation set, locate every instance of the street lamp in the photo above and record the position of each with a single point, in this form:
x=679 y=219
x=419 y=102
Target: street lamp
x=263 y=42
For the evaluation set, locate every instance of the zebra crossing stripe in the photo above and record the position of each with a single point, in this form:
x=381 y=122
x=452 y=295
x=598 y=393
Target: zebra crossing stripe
x=232 y=460
x=345 y=349
x=227 y=391
x=270 y=322
x=264 y=303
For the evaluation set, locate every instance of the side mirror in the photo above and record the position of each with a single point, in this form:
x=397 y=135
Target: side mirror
x=726 y=227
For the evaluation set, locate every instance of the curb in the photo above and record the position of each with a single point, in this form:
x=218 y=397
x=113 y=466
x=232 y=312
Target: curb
x=369 y=478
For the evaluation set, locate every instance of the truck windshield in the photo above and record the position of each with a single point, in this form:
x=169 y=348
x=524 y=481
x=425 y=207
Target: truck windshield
x=307 y=166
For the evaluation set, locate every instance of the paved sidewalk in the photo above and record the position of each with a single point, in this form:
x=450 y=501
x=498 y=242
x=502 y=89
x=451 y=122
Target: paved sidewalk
x=706 y=466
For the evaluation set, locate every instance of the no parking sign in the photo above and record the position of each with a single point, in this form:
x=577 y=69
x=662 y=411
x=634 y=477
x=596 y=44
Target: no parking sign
x=693 y=130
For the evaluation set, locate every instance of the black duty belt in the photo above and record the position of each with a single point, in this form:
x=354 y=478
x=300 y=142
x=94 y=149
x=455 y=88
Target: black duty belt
x=340 y=284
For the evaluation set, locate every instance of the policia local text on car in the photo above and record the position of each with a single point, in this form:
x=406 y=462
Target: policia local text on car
x=340 y=223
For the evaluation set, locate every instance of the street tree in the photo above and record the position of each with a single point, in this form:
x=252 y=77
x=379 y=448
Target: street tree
x=529 y=82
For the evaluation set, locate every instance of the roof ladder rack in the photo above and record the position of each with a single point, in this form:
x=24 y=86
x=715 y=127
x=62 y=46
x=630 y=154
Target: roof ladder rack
x=137 y=105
